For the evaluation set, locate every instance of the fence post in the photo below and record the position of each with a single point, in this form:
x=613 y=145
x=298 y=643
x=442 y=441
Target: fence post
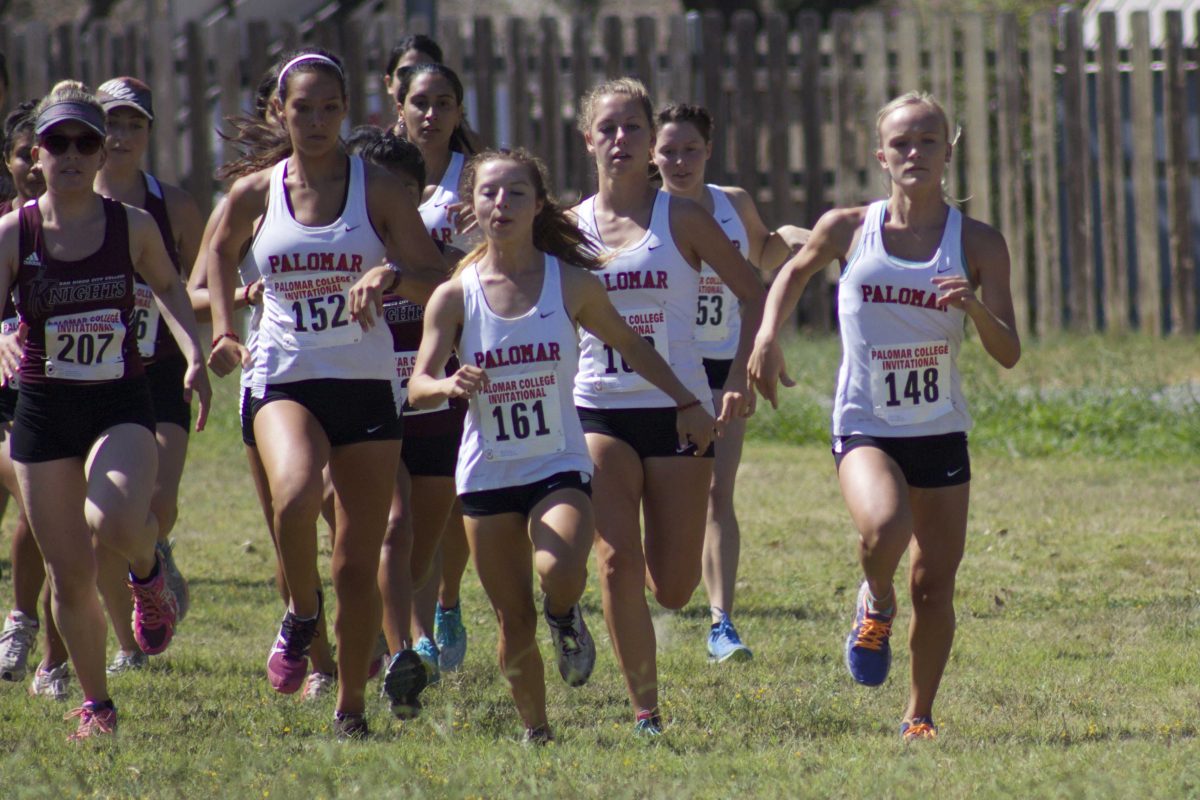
x=1151 y=291
x=551 y=91
x=162 y=76
x=746 y=111
x=976 y=145
x=779 y=101
x=226 y=40
x=1047 y=261
x=908 y=53
x=679 y=61
x=1012 y=161
x=712 y=62
x=580 y=163
x=1175 y=109
x=645 y=54
x=1081 y=270
x=1111 y=176
x=199 y=180
x=810 y=116
x=485 y=81
x=520 y=126
x=614 y=47
x=875 y=89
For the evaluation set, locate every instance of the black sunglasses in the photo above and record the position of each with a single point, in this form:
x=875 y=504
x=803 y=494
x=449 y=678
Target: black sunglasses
x=86 y=144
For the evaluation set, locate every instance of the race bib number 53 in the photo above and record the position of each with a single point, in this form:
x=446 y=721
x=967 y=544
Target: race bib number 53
x=85 y=347
x=521 y=416
x=910 y=383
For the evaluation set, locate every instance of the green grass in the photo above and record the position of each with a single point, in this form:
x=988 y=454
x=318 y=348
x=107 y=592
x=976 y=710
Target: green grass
x=1074 y=673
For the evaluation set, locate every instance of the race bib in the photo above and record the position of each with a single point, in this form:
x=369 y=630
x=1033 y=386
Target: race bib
x=145 y=319
x=910 y=383
x=611 y=372
x=715 y=307
x=521 y=416
x=85 y=347
x=404 y=369
x=312 y=309
x=10 y=325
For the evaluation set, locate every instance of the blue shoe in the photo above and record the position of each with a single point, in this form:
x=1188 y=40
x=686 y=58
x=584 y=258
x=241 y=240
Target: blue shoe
x=868 y=653
x=918 y=728
x=724 y=644
x=428 y=651
x=451 y=637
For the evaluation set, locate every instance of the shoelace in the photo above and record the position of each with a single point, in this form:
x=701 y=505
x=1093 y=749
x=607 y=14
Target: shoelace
x=920 y=729
x=297 y=635
x=725 y=629
x=873 y=633
x=90 y=722
x=151 y=603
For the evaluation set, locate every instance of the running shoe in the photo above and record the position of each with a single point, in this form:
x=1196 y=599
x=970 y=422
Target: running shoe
x=649 y=725
x=287 y=665
x=450 y=636
x=154 y=611
x=574 y=645
x=94 y=720
x=175 y=580
x=538 y=736
x=403 y=682
x=127 y=662
x=431 y=658
x=379 y=658
x=52 y=683
x=317 y=685
x=868 y=652
x=349 y=726
x=724 y=644
x=918 y=728
x=17 y=641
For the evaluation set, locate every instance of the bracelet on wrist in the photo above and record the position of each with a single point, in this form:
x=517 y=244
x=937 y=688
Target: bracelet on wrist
x=695 y=402
x=246 y=293
x=227 y=335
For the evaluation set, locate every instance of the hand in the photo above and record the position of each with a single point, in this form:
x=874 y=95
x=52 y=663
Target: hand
x=466 y=381
x=254 y=292
x=956 y=291
x=12 y=347
x=462 y=216
x=366 y=296
x=737 y=400
x=766 y=370
x=227 y=355
x=195 y=381
x=695 y=426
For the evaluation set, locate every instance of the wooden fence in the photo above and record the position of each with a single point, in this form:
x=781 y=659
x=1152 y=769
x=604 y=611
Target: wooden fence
x=1087 y=159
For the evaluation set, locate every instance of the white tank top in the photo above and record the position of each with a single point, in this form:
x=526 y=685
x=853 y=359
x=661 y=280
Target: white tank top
x=899 y=373
x=248 y=271
x=433 y=210
x=305 y=330
x=524 y=427
x=718 y=314
x=654 y=289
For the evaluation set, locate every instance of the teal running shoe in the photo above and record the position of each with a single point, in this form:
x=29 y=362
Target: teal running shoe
x=724 y=644
x=430 y=657
x=450 y=636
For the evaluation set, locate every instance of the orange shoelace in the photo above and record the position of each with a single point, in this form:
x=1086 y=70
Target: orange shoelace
x=873 y=633
x=920 y=730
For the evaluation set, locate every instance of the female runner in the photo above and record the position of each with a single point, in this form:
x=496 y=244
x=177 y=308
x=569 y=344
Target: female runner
x=523 y=468
x=656 y=244
x=29 y=573
x=682 y=148
x=429 y=101
x=129 y=105
x=83 y=437
x=322 y=369
x=913 y=265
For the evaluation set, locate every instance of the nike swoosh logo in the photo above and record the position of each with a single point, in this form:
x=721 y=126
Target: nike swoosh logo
x=950 y=473
x=654 y=247
x=349 y=228
x=543 y=316
x=727 y=219
x=375 y=429
x=944 y=268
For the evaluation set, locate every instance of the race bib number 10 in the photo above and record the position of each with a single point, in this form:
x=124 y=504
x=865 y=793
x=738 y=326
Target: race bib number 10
x=910 y=383
x=145 y=319
x=612 y=373
x=85 y=347
x=521 y=416
x=315 y=308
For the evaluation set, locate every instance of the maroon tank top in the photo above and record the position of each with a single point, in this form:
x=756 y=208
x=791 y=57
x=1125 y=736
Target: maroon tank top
x=406 y=320
x=147 y=314
x=79 y=313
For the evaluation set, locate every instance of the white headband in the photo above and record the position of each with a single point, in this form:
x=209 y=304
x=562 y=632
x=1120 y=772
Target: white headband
x=307 y=57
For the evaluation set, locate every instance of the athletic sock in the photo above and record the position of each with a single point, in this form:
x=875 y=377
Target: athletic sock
x=153 y=574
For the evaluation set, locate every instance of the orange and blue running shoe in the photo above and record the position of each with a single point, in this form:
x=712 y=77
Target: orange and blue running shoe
x=868 y=653
x=918 y=728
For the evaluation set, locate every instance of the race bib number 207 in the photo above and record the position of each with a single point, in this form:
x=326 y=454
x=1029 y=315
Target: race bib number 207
x=86 y=346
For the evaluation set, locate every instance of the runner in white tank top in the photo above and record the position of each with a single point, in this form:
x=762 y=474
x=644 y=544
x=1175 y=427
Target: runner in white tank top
x=657 y=245
x=523 y=467
x=682 y=149
x=327 y=218
x=899 y=422
x=430 y=114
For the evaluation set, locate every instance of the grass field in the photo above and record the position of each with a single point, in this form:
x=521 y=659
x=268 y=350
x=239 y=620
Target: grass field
x=1076 y=671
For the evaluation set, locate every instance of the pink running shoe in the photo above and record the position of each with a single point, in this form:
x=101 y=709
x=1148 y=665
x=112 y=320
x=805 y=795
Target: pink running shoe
x=287 y=665
x=154 y=612
x=94 y=720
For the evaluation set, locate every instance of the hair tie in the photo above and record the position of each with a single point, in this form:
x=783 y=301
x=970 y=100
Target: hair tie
x=307 y=57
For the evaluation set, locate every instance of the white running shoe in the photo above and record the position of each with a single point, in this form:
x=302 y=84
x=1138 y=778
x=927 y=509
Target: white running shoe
x=126 y=662
x=17 y=641
x=574 y=645
x=51 y=682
